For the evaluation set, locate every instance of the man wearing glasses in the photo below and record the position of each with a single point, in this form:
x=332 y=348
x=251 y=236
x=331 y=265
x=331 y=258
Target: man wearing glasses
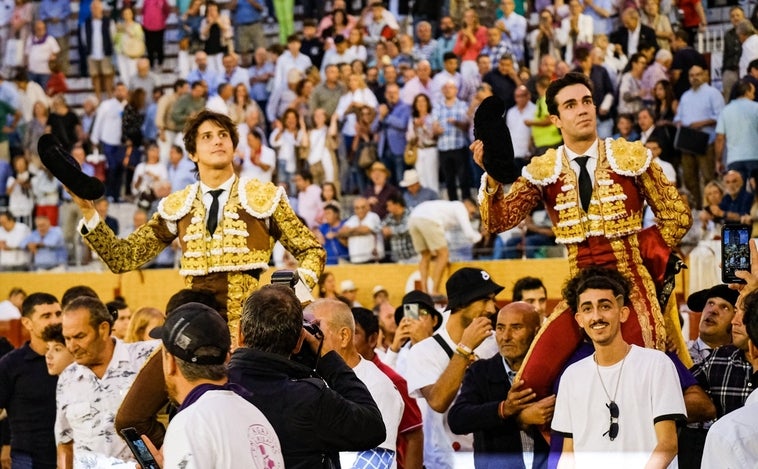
x=620 y=406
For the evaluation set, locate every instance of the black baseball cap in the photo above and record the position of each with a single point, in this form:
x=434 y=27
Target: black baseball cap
x=191 y=327
x=469 y=284
x=424 y=302
x=696 y=301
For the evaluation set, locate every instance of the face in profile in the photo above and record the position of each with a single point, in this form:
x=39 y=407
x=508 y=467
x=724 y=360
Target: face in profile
x=57 y=358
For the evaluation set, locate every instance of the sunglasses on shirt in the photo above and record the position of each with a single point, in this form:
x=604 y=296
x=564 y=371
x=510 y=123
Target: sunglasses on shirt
x=613 y=430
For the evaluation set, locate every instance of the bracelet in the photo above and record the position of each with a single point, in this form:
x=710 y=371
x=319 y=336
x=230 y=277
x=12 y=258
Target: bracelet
x=501 y=410
x=465 y=348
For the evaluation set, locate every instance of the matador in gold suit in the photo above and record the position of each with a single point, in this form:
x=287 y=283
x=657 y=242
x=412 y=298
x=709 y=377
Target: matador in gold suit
x=609 y=234
x=230 y=261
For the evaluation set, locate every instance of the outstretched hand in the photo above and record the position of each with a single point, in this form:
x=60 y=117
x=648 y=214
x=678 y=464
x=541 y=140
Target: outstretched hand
x=86 y=206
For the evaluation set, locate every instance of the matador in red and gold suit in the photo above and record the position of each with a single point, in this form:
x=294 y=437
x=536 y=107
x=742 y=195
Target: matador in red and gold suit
x=609 y=234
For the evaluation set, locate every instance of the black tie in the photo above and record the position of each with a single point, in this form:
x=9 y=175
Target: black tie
x=585 y=182
x=213 y=212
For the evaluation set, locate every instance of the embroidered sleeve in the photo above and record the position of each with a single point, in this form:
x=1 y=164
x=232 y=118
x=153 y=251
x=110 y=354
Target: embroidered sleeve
x=669 y=207
x=123 y=255
x=299 y=240
x=501 y=211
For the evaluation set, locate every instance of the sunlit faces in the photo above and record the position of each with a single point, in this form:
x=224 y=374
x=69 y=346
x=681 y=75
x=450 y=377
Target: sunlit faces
x=57 y=358
x=41 y=317
x=214 y=147
x=600 y=314
x=576 y=113
x=86 y=343
x=536 y=297
x=121 y=324
x=716 y=320
x=516 y=326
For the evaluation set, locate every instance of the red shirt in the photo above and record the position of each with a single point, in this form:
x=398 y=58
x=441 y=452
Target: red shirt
x=411 y=414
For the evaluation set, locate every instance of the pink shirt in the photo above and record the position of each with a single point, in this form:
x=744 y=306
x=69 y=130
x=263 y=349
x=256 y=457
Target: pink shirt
x=467 y=50
x=154 y=14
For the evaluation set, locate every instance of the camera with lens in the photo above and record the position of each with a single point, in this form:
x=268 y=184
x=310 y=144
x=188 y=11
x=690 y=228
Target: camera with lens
x=305 y=356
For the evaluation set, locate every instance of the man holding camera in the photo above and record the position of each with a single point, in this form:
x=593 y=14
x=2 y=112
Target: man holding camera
x=314 y=415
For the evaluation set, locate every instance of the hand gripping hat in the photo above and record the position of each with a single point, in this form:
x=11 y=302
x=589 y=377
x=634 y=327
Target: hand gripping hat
x=67 y=170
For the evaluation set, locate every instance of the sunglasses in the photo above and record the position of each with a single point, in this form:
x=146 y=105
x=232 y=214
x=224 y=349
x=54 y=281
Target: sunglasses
x=613 y=430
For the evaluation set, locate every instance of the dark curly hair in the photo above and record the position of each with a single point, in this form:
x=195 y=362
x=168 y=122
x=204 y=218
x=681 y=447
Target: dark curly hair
x=194 y=123
x=572 y=78
x=596 y=278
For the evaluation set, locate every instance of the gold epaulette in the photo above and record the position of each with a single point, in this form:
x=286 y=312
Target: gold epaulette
x=260 y=199
x=545 y=169
x=178 y=204
x=627 y=158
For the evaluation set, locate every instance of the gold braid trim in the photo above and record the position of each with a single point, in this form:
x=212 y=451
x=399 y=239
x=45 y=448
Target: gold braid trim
x=545 y=169
x=669 y=207
x=627 y=158
x=240 y=287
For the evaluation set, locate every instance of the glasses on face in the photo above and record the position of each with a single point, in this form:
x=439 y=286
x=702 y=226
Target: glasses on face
x=613 y=429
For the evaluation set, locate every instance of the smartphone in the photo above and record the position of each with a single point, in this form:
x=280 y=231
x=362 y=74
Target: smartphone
x=143 y=455
x=410 y=311
x=735 y=251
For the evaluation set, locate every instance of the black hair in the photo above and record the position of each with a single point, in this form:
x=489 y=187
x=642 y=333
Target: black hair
x=272 y=320
x=750 y=319
x=194 y=123
x=75 y=292
x=526 y=283
x=35 y=299
x=367 y=320
x=595 y=278
x=98 y=313
x=397 y=199
x=192 y=295
x=571 y=78
x=114 y=306
x=53 y=333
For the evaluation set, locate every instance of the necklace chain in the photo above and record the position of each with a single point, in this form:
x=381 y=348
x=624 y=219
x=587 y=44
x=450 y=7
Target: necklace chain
x=618 y=380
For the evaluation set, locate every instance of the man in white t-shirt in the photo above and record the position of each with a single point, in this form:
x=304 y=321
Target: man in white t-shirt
x=363 y=234
x=338 y=325
x=619 y=407
x=436 y=365
x=515 y=118
x=215 y=425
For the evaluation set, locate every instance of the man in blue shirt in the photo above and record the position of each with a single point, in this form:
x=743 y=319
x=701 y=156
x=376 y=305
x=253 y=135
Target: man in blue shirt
x=248 y=27
x=392 y=123
x=451 y=124
x=55 y=14
x=46 y=244
x=737 y=201
x=736 y=130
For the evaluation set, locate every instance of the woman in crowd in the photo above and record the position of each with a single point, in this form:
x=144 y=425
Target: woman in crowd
x=420 y=130
x=147 y=175
x=142 y=322
x=155 y=13
x=34 y=130
x=358 y=97
x=470 y=41
x=216 y=34
x=327 y=285
x=19 y=191
x=660 y=23
x=288 y=135
x=240 y=104
x=321 y=147
x=131 y=133
x=625 y=128
x=665 y=103
x=129 y=45
x=341 y=25
x=330 y=194
x=303 y=91
x=357 y=49
x=189 y=25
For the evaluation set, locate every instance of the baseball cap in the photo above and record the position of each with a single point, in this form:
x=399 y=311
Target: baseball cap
x=696 y=301
x=424 y=302
x=378 y=289
x=469 y=284
x=191 y=327
x=347 y=285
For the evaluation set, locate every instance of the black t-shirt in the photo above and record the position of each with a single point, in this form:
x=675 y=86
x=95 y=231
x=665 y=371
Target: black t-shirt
x=684 y=59
x=27 y=392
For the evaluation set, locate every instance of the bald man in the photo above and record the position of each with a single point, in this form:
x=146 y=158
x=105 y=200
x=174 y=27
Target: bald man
x=495 y=408
x=338 y=325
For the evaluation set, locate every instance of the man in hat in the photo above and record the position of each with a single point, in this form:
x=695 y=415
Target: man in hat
x=350 y=292
x=495 y=407
x=414 y=193
x=436 y=365
x=215 y=425
x=416 y=320
x=716 y=305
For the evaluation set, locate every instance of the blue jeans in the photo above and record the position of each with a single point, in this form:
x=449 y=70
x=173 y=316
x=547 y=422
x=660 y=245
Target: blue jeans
x=21 y=460
x=396 y=165
x=40 y=78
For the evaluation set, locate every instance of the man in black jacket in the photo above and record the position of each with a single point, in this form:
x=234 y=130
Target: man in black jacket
x=314 y=418
x=502 y=415
x=632 y=34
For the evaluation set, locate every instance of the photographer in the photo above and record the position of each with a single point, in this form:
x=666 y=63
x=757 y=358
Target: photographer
x=315 y=418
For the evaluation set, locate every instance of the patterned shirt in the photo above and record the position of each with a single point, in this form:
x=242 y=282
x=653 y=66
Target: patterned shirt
x=453 y=138
x=400 y=241
x=699 y=351
x=87 y=405
x=725 y=376
x=495 y=52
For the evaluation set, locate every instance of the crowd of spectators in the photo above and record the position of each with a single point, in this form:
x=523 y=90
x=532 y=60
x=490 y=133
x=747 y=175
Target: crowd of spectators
x=367 y=100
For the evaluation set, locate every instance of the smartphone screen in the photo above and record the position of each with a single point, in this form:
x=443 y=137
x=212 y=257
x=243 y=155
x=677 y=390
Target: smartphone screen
x=410 y=311
x=139 y=449
x=735 y=252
